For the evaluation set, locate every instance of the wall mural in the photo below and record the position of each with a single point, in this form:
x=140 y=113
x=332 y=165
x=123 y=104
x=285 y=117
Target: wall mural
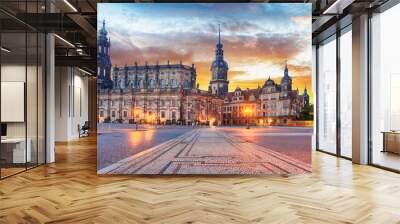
x=204 y=88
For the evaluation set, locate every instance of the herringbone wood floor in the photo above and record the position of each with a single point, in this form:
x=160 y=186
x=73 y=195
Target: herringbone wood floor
x=69 y=191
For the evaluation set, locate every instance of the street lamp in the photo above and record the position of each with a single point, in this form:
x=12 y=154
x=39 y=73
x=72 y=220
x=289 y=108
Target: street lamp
x=247 y=112
x=153 y=119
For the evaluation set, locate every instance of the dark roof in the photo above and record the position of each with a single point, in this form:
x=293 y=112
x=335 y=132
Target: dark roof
x=245 y=93
x=151 y=67
x=269 y=82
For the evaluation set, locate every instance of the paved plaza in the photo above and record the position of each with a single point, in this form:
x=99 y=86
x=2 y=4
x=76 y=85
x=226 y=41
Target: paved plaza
x=214 y=151
x=119 y=141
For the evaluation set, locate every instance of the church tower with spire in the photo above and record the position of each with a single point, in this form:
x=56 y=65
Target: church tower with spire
x=103 y=59
x=286 y=81
x=219 y=70
x=306 y=97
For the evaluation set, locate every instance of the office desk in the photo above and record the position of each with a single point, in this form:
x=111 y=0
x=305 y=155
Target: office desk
x=16 y=147
x=391 y=141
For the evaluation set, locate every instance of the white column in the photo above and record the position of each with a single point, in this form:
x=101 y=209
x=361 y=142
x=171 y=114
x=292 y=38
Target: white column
x=360 y=90
x=50 y=98
x=63 y=103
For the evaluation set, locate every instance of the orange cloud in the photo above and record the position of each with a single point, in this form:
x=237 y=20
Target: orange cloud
x=301 y=20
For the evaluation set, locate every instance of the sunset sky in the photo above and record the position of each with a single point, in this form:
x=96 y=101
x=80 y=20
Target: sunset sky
x=258 y=38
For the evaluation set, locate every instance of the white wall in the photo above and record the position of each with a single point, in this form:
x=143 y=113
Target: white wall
x=14 y=73
x=71 y=102
x=33 y=126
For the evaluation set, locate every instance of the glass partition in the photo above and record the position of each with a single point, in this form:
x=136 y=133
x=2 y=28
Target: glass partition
x=346 y=93
x=385 y=88
x=327 y=95
x=13 y=114
x=31 y=98
x=22 y=77
x=41 y=97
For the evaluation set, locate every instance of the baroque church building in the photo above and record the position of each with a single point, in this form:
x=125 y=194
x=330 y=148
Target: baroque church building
x=169 y=94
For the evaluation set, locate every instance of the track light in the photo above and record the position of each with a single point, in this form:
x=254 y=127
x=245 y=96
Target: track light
x=84 y=71
x=5 y=50
x=64 y=40
x=70 y=5
x=337 y=7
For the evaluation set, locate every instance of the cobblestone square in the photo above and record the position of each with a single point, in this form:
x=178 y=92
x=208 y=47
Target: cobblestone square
x=227 y=150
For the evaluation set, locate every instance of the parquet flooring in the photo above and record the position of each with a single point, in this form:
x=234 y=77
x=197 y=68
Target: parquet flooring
x=69 y=191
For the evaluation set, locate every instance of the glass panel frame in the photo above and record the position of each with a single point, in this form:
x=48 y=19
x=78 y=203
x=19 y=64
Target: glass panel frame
x=26 y=57
x=14 y=144
x=345 y=93
x=340 y=143
x=384 y=83
x=326 y=108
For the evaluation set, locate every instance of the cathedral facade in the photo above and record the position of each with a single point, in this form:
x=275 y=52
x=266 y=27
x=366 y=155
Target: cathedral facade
x=158 y=94
x=169 y=94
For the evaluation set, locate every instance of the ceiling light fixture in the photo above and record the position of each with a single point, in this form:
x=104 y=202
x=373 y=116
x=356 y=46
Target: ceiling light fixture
x=79 y=51
x=84 y=71
x=5 y=50
x=64 y=40
x=337 y=7
x=334 y=5
x=70 y=5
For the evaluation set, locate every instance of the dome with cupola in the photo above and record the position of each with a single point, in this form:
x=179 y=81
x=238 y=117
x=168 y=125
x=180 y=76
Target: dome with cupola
x=269 y=82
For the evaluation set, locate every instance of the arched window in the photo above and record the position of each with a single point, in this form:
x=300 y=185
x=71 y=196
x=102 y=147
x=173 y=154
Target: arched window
x=151 y=84
x=137 y=84
x=186 y=84
x=162 y=83
x=174 y=83
x=140 y=83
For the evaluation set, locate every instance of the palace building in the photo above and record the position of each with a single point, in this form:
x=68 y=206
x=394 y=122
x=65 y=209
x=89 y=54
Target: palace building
x=169 y=94
x=271 y=104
